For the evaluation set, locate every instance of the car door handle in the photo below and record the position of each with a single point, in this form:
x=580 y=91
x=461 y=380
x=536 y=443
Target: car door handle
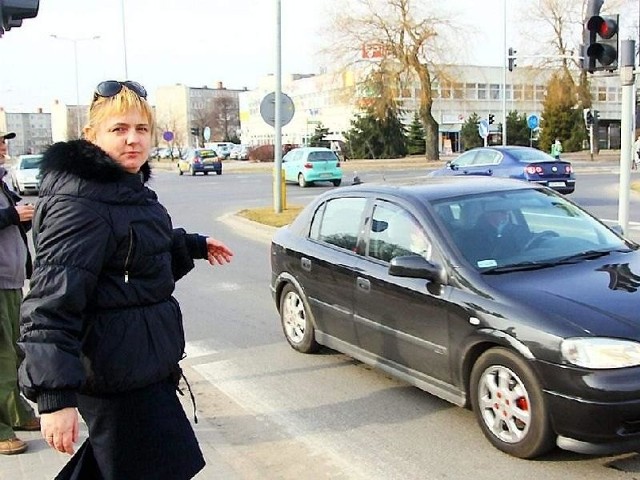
x=305 y=263
x=363 y=284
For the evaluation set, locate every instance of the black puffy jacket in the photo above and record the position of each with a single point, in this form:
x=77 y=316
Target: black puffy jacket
x=100 y=317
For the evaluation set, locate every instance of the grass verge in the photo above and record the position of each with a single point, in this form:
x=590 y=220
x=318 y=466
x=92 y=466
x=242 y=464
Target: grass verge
x=267 y=215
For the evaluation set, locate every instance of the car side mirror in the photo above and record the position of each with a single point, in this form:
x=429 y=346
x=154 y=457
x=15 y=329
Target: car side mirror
x=451 y=166
x=416 y=266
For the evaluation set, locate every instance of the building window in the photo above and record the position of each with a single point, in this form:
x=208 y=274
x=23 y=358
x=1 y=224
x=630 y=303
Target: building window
x=540 y=93
x=602 y=94
x=458 y=90
x=494 y=91
x=482 y=91
x=470 y=91
x=612 y=94
x=528 y=92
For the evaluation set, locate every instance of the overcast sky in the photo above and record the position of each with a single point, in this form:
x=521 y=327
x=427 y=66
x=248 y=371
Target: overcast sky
x=194 y=42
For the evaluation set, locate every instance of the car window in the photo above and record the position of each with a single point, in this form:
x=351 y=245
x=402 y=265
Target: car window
x=338 y=223
x=487 y=157
x=207 y=153
x=394 y=232
x=322 y=156
x=527 y=155
x=465 y=159
x=29 y=163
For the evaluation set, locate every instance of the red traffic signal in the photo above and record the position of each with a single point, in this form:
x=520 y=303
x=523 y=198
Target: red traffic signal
x=602 y=48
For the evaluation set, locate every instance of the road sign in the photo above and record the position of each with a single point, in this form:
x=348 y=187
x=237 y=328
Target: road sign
x=533 y=121
x=167 y=136
x=268 y=109
x=483 y=128
x=206 y=134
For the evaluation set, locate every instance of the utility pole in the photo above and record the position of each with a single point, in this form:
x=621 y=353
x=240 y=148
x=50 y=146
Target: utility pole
x=627 y=77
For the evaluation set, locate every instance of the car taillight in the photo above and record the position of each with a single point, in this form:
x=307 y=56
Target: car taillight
x=533 y=169
x=568 y=169
x=337 y=164
x=308 y=165
x=196 y=160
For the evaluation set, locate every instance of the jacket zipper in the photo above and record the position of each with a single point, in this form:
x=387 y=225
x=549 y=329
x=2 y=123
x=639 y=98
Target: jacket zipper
x=128 y=259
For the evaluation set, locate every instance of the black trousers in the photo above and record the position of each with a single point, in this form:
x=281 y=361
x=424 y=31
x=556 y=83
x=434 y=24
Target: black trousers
x=139 y=435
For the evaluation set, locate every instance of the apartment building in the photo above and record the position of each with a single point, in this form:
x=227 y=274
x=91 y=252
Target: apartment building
x=33 y=131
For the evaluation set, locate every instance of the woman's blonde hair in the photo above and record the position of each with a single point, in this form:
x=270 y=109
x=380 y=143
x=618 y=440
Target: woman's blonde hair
x=123 y=101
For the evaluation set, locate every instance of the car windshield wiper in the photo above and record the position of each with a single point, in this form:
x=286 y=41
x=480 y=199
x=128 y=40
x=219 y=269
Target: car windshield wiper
x=533 y=265
x=515 y=267
x=586 y=255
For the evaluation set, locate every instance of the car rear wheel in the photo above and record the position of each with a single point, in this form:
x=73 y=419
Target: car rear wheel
x=218 y=172
x=336 y=183
x=192 y=171
x=508 y=403
x=301 y=181
x=180 y=172
x=296 y=322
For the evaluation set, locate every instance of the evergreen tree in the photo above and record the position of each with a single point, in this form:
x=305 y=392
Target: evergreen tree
x=317 y=139
x=518 y=132
x=415 y=139
x=469 y=136
x=562 y=115
x=373 y=137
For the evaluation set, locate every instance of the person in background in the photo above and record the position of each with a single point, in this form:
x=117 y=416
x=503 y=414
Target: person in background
x=556 y=148
x=101 y=331
x=15 y=266
x=636 y=156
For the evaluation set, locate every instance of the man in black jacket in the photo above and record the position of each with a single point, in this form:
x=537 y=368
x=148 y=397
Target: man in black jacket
x=15 y=412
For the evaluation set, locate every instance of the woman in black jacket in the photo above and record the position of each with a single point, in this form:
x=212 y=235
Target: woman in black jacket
x=101 y=331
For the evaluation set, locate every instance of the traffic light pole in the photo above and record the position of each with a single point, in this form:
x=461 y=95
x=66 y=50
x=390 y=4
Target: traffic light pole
x=627 y=54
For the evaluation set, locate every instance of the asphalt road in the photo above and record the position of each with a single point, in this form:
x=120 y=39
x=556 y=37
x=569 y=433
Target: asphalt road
x=280 y=414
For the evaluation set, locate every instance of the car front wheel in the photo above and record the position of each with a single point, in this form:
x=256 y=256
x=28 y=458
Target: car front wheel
x=296 y=322
x=508 y=403
x=301 y=181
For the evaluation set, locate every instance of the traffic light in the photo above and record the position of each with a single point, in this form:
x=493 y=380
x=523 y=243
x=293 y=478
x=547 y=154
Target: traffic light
x=588 y=116
x=601 y=52
x=195 y=131
x=511 y=59
x=491 y=118
x=12 y=12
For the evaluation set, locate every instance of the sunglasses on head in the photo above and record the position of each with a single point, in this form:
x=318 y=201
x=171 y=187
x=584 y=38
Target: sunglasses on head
x=110 y=88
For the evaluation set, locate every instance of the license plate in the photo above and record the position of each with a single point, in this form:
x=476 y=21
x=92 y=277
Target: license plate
x=325 y=174
x=557 y=184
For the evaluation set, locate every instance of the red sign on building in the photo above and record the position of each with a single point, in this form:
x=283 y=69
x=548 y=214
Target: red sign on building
x=373 y=50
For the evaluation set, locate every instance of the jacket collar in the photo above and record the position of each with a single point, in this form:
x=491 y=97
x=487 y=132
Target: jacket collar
x=87 y=161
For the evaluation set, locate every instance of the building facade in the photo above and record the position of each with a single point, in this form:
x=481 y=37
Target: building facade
x=334 y=99
x=186 y=112
x=33 y=131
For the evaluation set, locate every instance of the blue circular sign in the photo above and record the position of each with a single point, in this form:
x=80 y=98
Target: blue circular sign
x=167 y=136
x=533 y=121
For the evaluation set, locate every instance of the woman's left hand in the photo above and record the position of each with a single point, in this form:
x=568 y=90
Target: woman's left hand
x=218 y=252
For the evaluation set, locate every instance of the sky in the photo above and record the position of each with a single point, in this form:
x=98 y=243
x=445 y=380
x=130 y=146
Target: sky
x=194 y=42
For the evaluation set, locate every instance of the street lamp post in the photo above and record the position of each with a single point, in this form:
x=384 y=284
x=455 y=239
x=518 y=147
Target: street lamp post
x=75 y=60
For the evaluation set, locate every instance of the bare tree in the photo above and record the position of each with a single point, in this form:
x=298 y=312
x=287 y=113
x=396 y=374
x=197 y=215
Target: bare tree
x=412 y=35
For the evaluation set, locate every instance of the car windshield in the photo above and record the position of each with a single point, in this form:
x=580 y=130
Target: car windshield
x=524 y=229
x=206 y=154
x=30 y=163
x=530 y=155
x=322 y=156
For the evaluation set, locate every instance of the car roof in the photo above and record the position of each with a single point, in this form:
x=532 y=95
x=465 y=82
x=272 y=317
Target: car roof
x=311 y=149
x=435 y=188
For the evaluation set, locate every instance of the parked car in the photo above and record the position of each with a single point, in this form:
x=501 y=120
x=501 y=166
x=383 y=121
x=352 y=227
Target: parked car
x=524 y=163
x=202 y=160
x=306 y=165
x=25 y=174
x=239 y=152
x=494 y=294
x=223 y=149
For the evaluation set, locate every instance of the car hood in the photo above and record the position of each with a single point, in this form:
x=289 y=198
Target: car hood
x=595 y=297
x=28 y=174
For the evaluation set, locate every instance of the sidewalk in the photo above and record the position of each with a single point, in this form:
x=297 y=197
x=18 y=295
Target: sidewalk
x=40 y=462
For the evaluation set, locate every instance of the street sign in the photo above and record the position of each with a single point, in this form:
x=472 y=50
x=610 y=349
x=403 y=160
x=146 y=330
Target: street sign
x=533 y=121
x=483 y=128
x=167 y=136
x=268 y=109
x=206 y=134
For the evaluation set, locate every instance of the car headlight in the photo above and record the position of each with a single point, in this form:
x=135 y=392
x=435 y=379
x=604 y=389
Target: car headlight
x=600 y=353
